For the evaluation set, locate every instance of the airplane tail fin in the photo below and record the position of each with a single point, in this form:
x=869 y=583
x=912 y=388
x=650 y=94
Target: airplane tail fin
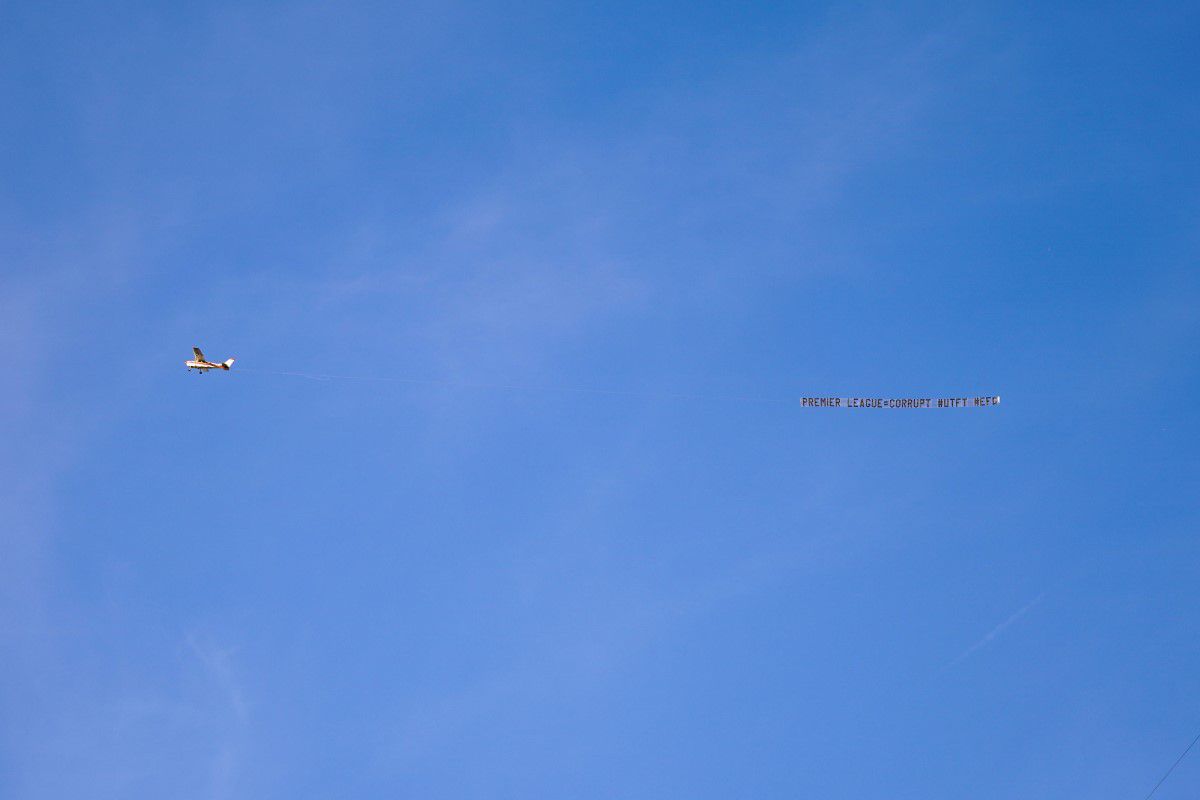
x=227 y=363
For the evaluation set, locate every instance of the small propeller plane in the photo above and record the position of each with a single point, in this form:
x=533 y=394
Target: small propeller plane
x=202 y=366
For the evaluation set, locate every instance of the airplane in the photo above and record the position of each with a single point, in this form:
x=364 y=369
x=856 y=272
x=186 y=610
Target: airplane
x=202 y=366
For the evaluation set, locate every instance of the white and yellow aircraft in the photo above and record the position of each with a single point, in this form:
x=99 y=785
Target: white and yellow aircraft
x=202 y=366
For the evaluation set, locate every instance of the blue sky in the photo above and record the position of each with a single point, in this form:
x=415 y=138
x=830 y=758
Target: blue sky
x=258 y=585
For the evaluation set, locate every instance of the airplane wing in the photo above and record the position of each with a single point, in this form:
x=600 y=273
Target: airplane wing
x=199 y=355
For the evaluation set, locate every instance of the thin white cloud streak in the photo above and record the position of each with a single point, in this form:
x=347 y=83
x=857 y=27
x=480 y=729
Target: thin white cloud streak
x=995 y=632
x=218 y=661
x=218 y=664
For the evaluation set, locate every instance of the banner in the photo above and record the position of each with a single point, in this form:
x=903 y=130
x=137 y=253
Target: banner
x=899 y=402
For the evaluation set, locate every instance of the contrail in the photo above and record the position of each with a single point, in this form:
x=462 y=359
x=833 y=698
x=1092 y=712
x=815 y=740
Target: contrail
x=994 y=632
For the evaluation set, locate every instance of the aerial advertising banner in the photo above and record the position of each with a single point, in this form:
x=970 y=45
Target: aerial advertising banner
x=899 y=402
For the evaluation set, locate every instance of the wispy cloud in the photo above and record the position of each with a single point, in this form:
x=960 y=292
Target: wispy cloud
x=218 y=664
x=991 y=635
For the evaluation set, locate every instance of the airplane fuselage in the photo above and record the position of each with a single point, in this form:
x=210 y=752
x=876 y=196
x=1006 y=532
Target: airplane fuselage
x=203 y=365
